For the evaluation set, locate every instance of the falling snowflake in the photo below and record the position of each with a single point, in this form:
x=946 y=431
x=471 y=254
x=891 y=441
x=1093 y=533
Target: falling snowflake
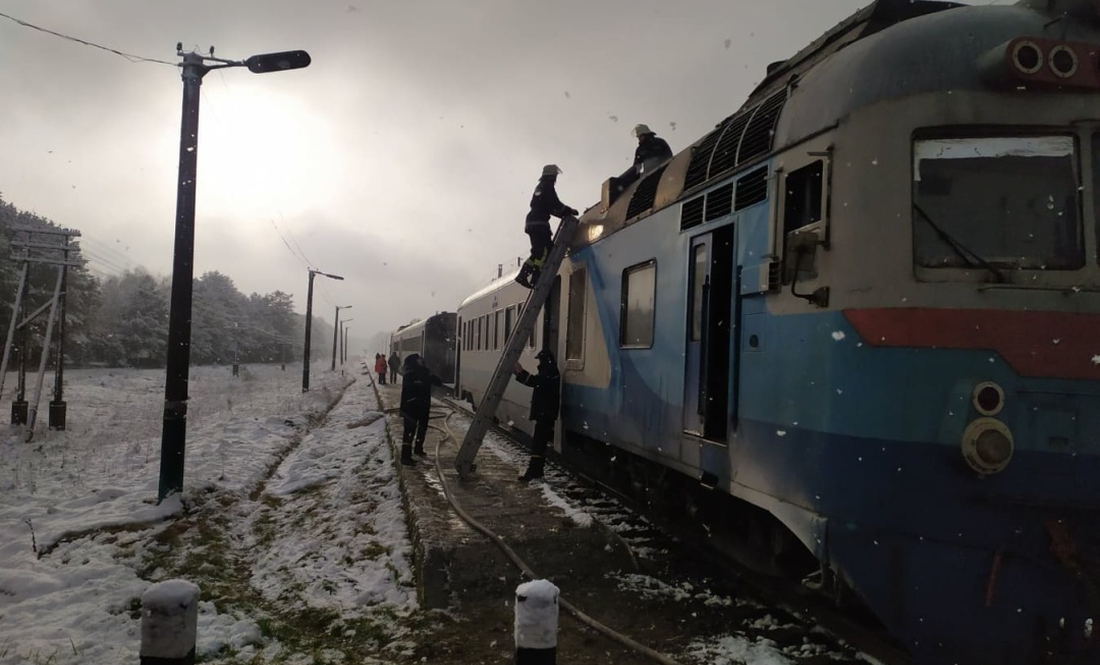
x=838 y=335
x=1096 y=359
x=781 y=432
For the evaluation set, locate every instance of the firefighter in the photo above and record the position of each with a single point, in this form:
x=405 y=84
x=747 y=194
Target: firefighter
x=545 y=401
x=416 y=401
x=544 y=203
x=651 y=151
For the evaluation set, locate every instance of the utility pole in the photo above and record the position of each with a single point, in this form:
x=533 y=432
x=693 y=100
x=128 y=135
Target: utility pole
x=236 y=349
x=174 y=433
x=309 y=324
x=344 y=340
x=23 y=412
x=335 y=326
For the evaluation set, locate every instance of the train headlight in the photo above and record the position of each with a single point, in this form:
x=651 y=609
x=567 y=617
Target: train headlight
x=987 y=445
x=1063 y=61
x=1027 y=56
x=989 y=398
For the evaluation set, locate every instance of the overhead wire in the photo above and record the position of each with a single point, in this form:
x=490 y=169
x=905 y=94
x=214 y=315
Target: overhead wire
x=128 y=56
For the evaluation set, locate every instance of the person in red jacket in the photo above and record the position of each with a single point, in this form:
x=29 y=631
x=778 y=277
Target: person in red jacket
x=380 y=368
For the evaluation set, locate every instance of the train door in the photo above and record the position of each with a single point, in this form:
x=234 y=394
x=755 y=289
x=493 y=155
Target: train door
x=707 y=352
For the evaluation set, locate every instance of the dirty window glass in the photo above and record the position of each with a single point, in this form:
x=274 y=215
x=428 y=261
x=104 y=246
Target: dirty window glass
x=639 y=297
x=1012 y=201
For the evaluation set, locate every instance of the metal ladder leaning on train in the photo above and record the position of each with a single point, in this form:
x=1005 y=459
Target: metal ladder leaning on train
x=857 y=325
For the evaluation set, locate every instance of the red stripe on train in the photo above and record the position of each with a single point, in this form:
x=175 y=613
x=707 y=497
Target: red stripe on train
x=1039 y=344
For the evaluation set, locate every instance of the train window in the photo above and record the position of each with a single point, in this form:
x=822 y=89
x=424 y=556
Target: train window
x=802 y=199
x=496 y=330
x=509 y=319
x=574 y=330
x=698 y=279
x=1007 y=202
x=638 y=305
x=480 y=326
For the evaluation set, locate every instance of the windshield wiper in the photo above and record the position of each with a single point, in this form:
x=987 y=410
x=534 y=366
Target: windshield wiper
x=968 y=255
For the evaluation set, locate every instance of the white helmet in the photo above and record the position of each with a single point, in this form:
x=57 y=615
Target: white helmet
x=641 y=129
x=551 y=169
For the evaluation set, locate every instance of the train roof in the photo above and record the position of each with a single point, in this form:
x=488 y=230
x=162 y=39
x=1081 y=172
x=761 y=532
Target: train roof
x=416 y=326
x=890 y=50
x=502 y=282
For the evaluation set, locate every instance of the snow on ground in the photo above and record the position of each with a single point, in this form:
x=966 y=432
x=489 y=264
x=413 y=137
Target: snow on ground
x=289 y=515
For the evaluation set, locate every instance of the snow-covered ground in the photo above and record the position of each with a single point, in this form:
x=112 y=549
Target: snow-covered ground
x=293 y=516
x=291 y=520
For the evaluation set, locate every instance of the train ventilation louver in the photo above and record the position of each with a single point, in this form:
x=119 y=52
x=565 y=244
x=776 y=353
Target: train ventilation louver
x=725 y=153
x=644 y=194
x=700 y=157
x=760 y=132
x=691 y=213
x=752 y=188
x=719 y=202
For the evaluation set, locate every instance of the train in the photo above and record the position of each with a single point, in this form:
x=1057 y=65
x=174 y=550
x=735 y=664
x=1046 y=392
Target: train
x=433 y=338
x=857 y=325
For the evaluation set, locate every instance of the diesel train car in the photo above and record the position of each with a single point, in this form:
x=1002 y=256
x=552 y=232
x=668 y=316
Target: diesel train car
x=434 y=339
x=865 y=308
x=485 y=322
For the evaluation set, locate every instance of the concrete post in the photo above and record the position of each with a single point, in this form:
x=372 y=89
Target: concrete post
x=536 y=623
x=169 y=622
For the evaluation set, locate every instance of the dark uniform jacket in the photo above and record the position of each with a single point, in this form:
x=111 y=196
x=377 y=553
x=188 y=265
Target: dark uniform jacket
x=544 y=203
x=546 y=396
x=416 y=389
x=653 y=147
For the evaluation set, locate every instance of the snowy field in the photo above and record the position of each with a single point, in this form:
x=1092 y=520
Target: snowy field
x=292 y=517
x=291 y=521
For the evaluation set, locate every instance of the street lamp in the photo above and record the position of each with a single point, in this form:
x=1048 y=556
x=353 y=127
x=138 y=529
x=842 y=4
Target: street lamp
x=174 y=433
x=344 y=337
x=335 y=327
x=309 y=324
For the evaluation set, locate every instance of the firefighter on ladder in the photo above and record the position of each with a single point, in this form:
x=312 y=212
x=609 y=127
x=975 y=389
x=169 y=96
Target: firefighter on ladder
x=544 y=203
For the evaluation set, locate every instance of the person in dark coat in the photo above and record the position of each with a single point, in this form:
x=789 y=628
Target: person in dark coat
x=651 y=151
x=545 y=403
x=395 y=364
x=544 y=203
x=416 y=401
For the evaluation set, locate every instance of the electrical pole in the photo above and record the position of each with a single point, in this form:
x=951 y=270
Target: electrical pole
x=335 y=326
x=174 y=432
x=309 y=324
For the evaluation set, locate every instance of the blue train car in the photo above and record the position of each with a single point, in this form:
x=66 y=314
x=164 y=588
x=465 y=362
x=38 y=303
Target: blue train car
x=868 y=304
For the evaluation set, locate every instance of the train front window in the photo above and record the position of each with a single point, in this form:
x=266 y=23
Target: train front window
x=997 y=203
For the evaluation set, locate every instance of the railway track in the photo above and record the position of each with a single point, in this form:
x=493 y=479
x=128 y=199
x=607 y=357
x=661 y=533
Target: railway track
x=803 y=623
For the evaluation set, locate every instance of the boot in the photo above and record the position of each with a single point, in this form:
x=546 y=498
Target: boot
x=418 y=449
x=523 y=278
x=534 y=469
x=407 y=455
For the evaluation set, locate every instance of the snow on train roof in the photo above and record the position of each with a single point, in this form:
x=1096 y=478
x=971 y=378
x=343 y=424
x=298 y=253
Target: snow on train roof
x=496 y=285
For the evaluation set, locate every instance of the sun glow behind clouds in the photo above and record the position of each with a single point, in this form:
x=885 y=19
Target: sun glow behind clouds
x=263 y=153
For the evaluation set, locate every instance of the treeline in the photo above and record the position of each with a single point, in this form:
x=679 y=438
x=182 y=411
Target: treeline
x=122 y=320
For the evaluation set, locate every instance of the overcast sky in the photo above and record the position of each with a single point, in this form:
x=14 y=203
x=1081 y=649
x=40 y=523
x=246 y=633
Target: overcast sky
x=403 y=158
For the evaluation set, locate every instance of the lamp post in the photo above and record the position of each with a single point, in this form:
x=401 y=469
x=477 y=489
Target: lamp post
x=335 y=327
x=174 y=433
x=344 y=340
x=309 y=324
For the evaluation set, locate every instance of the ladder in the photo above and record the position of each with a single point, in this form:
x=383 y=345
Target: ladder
x=486 y=411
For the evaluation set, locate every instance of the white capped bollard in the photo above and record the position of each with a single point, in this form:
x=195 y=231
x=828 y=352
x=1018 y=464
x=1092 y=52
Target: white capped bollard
x=536 y=623
x=169 y=622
